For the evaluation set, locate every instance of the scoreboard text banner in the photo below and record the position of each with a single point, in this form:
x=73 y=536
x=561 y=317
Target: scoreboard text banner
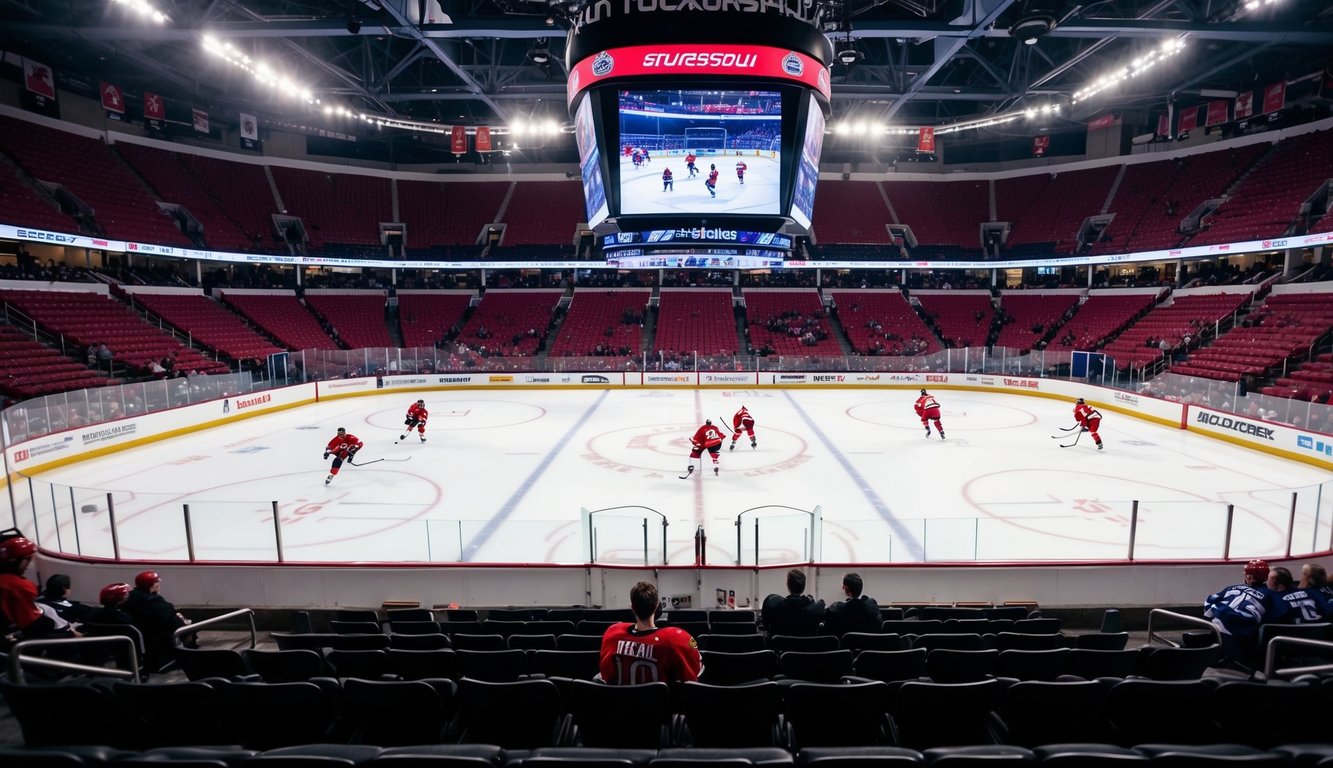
x=710 y=59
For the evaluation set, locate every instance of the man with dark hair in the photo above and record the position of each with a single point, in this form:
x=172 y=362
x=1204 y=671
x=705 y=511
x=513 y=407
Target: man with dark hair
x=795 y=614
x=858 y=613
x=640 y=652
x=56 y=595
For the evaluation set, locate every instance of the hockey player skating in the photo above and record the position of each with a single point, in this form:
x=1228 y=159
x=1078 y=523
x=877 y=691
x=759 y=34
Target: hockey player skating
x=742 y=422
x=689 y=165
x=416 y=418
x=741 y=167
x=647 y=158
x=342 y=448
x=706 y=438
x=1089 y=419
x=637 y=158
x=711 y=182
x=667 y=183
x=929 y=410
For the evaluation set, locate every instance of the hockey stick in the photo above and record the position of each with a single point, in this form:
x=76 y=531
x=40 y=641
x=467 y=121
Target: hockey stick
x=376 y=461
x=687 y=474
x=1076 y=439
x=1065 y=429
x=723 y=423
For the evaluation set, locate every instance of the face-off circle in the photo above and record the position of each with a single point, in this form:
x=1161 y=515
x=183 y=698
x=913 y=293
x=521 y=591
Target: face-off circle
x=660 y=448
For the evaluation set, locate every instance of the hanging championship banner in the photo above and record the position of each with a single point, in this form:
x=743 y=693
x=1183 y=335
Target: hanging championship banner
x=249 y=132
x=113 y=101
x=1105 y=121
x=200 y=121
x=925 y=139
x=458 y=140
x=1217 y=113
x=483 y=138
x=39 y=93
x=1039 y=145
x=1275 y=96
x=1244 y=105
x=154 y=111
x=1189 y=120
x=1164 y=125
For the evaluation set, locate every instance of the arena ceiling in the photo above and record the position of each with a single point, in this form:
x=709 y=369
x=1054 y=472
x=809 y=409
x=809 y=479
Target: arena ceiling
x=487 y=62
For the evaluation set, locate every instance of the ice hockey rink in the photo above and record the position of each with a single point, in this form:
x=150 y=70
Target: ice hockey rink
x=504 y=474
x=641 y=188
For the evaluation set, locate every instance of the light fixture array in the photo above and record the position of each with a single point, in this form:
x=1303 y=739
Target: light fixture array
x=144 y=9
x=1138 y=66
x=863 y=128
x=262 y=72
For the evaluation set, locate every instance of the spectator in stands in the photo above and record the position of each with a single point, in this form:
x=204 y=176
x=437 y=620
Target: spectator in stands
x=1238 y=610
x=858 y=613
x=156 y=618
x=56 y=595
x=112 y=611
x=796 y=613
x=1292 y=604
x=1313 y=576
x=104 y=355
x=641 y=652
x=23 y=617
x=92 y=355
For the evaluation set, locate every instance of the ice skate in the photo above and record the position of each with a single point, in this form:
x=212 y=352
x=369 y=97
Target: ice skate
x=733 y=446
x=754 y=443
x=927 y=431
x=941 y=435
x=715 y=471
x=1099 y=446
x=423 y=438
x=328 y=479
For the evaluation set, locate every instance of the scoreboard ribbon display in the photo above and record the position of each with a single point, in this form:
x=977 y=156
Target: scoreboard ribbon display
x=711 y=59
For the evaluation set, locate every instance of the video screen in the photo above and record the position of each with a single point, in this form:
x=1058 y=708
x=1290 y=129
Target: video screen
x=722 y=149
x=807 y=169
x=594 y=190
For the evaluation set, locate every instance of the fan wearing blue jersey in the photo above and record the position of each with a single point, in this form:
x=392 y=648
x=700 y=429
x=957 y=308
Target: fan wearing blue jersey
x=1293 y=604
x=1238 y=610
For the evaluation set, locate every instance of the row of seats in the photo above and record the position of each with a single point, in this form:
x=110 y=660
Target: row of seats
x=546 y=713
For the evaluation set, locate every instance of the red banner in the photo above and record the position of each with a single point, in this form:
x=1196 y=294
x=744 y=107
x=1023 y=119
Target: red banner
x=1039 y=145
x=112 y=98
x=200 y=118
x=483 y=138
x=1189 y=120
x=39 y=78
x=1105 y=121
x=1217 y=113
x=1244 y=105
x=1164 y=124
x=458 y=140
x=154 y=108
x=925 y=139
x=1275 y=97
x=703 y=59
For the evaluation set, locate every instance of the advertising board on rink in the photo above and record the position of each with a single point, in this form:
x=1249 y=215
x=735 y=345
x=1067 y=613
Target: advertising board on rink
x=734 y=378
x=669 y=379
x=1270 y=437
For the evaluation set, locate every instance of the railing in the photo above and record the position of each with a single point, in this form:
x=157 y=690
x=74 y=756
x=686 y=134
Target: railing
x=17 y=660
x=1195 y=620
x=190 y=629
x=1271 y=656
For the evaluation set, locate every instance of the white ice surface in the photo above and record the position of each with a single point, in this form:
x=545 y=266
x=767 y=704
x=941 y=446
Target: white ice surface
x=504 y=475
x=641 y=188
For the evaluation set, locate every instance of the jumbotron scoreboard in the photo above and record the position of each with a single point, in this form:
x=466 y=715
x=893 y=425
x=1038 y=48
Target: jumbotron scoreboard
x=699 y=125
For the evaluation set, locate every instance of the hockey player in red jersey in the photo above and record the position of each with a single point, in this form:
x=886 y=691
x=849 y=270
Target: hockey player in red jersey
x=742 y=422
x=711 y=183
x=741 y=168
x=416 y=418
x=929 y=410
x=342 y=447
x=706 y=438
x=689 y=165
x=641 y=652
x=667 y=182
x=1089 y=419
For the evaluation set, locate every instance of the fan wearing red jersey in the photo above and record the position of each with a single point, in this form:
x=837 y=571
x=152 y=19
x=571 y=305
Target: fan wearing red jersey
x=342 y=447
x=706 y=438
x=416 y=418
x=742 y=422
x=929 y=410
x=1089 y=419
x=640 y=652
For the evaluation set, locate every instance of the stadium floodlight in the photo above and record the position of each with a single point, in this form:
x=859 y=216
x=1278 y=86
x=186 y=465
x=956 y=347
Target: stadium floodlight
x=842 y=129
x=144 y=9
x=1139 y=65
x=261 y=71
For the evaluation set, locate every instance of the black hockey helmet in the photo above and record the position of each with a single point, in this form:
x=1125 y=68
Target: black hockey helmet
x=923 y=391
x=342 y=430
x=421 y=402
x=708 y=422
x=1080 y=401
